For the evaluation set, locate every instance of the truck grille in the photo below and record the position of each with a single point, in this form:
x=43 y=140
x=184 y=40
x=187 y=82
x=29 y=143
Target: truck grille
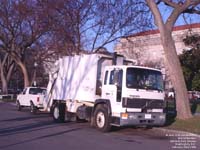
x=142 y=103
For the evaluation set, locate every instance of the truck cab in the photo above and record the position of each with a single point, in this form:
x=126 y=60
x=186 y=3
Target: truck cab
x=135 y=94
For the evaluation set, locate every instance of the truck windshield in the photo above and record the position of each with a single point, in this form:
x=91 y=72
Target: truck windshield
x=139 y=78
x=36 y=91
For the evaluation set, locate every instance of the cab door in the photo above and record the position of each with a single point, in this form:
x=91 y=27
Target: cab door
x=112 y=89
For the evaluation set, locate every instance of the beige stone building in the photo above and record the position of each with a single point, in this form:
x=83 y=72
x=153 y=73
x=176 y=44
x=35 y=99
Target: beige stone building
x=146 y=49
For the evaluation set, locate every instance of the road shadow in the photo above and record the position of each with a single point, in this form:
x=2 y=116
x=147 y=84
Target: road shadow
x=147 y=132
x=26 y=128
x=41 y=137
x=32 y=127
x=42 y=115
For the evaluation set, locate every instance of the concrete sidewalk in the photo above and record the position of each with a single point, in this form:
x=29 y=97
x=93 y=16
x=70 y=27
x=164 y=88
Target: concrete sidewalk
x=177 y=132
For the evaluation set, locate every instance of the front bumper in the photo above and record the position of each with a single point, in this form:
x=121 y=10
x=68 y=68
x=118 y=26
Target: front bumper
x=142 y=119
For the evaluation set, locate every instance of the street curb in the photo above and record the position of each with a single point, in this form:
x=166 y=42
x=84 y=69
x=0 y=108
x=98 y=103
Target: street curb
x=177 y=132
x=2 y=101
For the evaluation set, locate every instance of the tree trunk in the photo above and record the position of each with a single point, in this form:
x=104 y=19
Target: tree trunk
x=176 y=75
x=34 y=77
x=171 y=58
x=25 y=74
x=4 y=85
x=4 y=82
x=9 y=73
x=22 y=65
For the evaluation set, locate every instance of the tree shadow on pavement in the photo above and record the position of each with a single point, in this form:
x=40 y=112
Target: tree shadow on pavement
x=40 y=137
x=24 y=128
x=30 y=127
x=25 y=118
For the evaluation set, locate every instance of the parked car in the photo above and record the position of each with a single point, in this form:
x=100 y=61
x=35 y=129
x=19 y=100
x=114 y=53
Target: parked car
x=31 y=97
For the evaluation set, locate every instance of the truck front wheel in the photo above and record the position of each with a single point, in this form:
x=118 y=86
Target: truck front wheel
x=102 y=119
x=58 y=113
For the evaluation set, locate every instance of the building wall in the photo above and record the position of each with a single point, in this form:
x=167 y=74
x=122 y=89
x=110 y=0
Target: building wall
x=147 y=50
x=146 y=47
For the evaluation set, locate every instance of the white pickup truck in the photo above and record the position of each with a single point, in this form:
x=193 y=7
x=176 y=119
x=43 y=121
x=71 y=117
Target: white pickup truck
x=31 y=97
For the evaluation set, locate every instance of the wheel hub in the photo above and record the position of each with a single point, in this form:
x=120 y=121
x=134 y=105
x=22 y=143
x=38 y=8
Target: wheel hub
x=100 y=120
x=56 y=112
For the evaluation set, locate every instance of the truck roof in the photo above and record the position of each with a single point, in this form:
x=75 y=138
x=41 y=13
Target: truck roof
x=36 y=87
x=133 y=66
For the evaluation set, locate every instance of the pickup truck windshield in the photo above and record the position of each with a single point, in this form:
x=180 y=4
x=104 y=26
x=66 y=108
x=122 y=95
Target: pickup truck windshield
x=36 y=91
x=139 y=78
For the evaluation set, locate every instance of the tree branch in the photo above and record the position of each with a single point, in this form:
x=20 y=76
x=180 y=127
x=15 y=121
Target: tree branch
x=171 y=3
x=178 y=10
x=192 y=11
x=156 y=13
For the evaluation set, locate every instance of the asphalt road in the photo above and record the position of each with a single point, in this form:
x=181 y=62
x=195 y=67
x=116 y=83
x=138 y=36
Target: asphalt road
x=24 y=131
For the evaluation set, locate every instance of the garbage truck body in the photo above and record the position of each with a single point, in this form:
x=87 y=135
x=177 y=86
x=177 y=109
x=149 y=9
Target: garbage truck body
x=106 y=91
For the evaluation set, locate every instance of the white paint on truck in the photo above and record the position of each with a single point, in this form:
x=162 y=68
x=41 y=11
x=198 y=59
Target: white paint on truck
x=91 y=86
x=76 y=79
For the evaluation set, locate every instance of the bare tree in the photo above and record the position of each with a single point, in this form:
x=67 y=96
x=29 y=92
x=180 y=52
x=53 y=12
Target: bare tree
x=55 y=28
x=119 y=18
x=92 y=24
x=171 y=59
x=23 y=24
x=6 y=67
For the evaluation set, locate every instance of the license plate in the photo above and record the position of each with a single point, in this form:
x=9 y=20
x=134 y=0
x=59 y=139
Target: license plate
x=147 y=116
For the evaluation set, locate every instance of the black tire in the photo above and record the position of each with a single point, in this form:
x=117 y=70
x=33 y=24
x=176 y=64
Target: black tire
x=58 y=112
x=33 y=109
x=102 y=118
x=19 y=107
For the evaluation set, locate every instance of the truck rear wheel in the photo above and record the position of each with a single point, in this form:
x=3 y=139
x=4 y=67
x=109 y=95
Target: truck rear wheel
x=102 y=119
x=58 y=113
x=33 y=109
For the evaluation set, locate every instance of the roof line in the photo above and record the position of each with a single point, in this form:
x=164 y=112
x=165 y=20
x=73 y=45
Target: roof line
x=177 y=28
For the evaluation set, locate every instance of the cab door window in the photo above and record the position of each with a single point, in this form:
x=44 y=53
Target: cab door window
x=106 y=78
x=111 y=80
x=24 y=91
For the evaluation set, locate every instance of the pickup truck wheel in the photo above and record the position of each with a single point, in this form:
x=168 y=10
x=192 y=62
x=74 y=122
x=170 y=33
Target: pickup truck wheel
x=102 y=119
x=58 y=113
x=19 y=107
x=33 y=109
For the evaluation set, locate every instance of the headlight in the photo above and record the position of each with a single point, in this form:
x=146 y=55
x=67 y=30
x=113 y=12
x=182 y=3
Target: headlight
x=124 y=116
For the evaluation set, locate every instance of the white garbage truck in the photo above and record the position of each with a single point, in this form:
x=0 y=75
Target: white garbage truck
x=106 y=90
